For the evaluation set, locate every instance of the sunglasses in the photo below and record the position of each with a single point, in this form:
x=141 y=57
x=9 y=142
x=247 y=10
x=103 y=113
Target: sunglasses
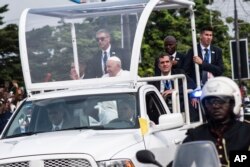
x=100 y=39
x=216 y=100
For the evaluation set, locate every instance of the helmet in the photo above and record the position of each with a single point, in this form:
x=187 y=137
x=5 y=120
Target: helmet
x=222 y=86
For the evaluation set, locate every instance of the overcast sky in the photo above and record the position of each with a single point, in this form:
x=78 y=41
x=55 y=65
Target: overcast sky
x=226 y=7
x=17 y=6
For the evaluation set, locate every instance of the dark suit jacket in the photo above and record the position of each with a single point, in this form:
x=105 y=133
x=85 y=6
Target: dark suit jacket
x=94 y=66
x=179 y=57
x=216 y=67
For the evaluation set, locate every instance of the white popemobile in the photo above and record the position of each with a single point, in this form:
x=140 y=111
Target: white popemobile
x=96 y=121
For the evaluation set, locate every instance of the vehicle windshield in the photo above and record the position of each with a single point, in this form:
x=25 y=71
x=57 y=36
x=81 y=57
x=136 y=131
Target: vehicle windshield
x=100 y=112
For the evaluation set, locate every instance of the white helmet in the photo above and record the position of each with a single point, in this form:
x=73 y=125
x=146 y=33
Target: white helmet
x=222 y=86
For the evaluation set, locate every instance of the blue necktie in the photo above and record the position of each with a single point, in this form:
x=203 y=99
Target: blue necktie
x=206 y=56
x=105 y=57
x=167 y=85
x=206 y=60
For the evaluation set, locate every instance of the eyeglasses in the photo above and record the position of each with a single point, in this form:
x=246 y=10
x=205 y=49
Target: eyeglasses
x=100 y=39
x=216 y=100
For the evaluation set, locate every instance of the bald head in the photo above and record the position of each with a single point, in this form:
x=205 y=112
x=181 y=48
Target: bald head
x=113 y=66
x=170 y=38
x=170 y=44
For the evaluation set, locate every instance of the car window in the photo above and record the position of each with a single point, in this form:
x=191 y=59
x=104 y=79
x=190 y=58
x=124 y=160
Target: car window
x=116 y=111
x=154 y=107
x=22 y=119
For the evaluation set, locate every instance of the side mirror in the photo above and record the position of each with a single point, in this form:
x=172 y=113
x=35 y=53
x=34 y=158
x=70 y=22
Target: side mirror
x=147 y=157
x=169 y=121
x=172 y=120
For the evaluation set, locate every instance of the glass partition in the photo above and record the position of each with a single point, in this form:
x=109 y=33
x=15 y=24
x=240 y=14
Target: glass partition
x=55 y=45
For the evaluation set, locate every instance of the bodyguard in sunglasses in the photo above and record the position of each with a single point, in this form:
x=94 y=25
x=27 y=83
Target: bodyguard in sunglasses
x=96 y=67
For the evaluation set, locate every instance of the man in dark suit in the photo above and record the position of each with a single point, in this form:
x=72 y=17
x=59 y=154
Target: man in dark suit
x=96 y=66
x=166 y=87
x=170 y=46
x=57 y=114
x=165 y=65
x=209 y=58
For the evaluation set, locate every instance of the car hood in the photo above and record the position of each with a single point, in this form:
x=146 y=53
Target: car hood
x=101 y=145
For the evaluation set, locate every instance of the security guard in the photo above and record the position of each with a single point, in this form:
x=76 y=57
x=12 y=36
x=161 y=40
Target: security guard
x=221 y=102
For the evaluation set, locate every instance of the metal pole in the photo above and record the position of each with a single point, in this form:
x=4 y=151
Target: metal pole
x=210 y=14
x=195 y=50
x=237 y=42
x=238 y=55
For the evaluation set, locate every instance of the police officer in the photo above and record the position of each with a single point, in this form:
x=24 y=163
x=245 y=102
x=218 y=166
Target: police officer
x=221 y=102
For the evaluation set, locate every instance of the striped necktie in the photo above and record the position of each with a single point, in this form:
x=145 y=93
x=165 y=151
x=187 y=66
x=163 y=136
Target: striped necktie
x=206 y=60
x=105 y=57
x=206 y=56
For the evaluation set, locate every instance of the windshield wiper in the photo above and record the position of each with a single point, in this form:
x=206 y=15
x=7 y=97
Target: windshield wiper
x=22 y=134
x=99 y=127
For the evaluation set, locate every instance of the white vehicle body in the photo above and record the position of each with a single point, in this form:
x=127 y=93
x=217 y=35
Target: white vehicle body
x=49 y=43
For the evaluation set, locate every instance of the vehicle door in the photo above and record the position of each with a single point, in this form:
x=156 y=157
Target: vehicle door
x=162 y=143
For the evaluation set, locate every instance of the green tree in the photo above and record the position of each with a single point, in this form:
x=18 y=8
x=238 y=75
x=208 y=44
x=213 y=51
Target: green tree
x=9 y=51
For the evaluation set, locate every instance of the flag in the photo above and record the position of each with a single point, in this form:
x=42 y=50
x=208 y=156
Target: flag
x=144 y=125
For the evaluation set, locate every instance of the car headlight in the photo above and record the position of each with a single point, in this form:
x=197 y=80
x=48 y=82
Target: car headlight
x=116 y=163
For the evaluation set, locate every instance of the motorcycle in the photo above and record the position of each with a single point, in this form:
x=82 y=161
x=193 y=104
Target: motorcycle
x=192 y=154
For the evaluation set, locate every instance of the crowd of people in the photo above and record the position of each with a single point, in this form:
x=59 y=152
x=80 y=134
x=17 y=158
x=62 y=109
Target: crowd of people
x=10 y=98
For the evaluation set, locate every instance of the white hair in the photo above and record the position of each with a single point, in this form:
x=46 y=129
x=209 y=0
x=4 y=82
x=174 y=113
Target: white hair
x=116 y=59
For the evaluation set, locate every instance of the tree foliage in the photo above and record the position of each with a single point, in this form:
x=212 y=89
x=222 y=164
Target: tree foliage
x=9 y=51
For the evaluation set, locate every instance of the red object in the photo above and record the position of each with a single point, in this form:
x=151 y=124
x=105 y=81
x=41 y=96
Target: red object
x=48 y=77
